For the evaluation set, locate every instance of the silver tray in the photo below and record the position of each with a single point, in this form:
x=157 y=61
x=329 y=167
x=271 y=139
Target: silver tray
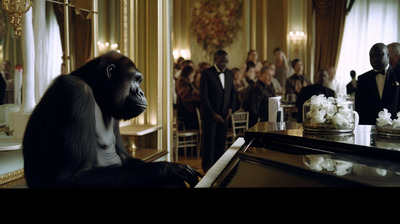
x=388 y=131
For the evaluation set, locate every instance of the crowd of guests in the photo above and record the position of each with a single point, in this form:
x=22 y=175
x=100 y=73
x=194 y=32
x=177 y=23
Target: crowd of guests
x=219 y=91
x=254 y=83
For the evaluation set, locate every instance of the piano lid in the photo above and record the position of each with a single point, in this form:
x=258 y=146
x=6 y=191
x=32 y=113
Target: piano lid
x=273 y=156
x=363 y=141
x=263 y=167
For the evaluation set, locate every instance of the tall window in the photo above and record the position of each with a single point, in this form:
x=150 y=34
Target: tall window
x=368 y=22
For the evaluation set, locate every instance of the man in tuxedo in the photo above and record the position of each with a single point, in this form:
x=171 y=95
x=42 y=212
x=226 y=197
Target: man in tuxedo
x=217 y=94
x=352 y=85
x=320 y=87
x=378 y=88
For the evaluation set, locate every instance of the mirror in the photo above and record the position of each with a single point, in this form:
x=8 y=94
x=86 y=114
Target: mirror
x=10 y=57
x=65 y=39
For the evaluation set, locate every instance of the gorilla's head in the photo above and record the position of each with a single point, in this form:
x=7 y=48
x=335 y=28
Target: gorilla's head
x=115 y=82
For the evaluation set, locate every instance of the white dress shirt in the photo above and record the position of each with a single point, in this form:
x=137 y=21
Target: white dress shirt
x=221 y=76
x=380 y=81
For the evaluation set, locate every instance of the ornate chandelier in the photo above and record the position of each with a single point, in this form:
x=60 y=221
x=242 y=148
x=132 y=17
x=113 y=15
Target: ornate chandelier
x=16 y=8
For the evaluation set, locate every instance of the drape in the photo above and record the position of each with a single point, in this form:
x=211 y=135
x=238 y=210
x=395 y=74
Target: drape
x=82 y=38
x=329 y=24
x=80 y=30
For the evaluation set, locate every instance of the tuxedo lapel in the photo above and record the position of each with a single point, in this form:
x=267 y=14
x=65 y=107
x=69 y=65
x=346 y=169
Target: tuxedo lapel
x=216 y=77
x=391 y=93
x=227 y=80
x=391 y=85
x=373 y=85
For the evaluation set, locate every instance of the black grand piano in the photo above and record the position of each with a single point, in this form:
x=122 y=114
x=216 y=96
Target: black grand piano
x=282 y=154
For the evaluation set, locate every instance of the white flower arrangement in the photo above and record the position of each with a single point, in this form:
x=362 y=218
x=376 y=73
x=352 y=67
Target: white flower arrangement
x=330 y=110
x=384 y=118
x=318 y=163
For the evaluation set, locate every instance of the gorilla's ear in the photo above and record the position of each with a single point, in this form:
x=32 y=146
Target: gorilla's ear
x=109 y=68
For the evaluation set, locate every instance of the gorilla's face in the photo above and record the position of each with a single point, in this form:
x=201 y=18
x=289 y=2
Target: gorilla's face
x=132 y=101
x=121 y=85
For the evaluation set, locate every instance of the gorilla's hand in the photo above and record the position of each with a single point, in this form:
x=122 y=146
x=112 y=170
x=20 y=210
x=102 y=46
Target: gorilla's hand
x=181 y=174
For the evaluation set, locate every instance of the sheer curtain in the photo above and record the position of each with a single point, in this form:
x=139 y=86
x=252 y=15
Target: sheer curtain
x=48 y=49
x=368 y=22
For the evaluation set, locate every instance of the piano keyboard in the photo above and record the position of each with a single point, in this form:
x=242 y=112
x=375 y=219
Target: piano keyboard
x=222 y=162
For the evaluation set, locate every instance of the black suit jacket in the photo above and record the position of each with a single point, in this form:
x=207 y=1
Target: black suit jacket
x=214 y=98
x=2 y=89
x=368 y=104
x=258 y=102
x=350 y=88
x=306 y=93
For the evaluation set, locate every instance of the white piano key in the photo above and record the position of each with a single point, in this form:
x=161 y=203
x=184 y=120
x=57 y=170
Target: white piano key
x=217 y=168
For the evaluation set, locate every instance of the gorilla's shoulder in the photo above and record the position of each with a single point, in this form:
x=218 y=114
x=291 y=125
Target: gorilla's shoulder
x=71 y=84
x=68 y=90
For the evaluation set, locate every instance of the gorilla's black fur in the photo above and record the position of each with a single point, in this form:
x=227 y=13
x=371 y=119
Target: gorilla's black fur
x=62 y=144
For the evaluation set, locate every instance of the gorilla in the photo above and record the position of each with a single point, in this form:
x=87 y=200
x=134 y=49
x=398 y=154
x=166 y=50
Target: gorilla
x=72 y=138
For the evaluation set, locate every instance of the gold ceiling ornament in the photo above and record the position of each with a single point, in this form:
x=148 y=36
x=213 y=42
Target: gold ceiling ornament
x=16 y=8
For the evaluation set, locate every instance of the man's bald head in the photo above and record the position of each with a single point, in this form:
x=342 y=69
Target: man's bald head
x=379 y=56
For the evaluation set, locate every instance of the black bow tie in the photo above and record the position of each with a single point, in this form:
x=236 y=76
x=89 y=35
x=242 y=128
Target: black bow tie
x=380 y=72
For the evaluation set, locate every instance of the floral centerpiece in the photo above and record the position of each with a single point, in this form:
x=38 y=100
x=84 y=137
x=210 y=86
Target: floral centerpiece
x=215 y=23
x=318 y=163
x=385 y=118
x=387 y=126
x=329 y=114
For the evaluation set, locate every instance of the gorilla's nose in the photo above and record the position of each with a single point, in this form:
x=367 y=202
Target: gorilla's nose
x=140 y=92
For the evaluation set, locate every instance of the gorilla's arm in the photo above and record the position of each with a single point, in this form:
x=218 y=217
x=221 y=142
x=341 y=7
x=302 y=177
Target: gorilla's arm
x=157 y=174
x=57 y=142
x=133 y=172
x=136 y=173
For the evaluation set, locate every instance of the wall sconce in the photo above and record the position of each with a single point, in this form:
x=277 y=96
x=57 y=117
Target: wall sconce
x=106 y=46
x=297 y=40
x=181 y=53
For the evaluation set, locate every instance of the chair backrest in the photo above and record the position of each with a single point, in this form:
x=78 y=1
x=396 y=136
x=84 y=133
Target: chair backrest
x=240 y=123
x=177 y=122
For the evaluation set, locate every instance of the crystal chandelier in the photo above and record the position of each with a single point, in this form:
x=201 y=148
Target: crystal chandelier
x=16 y=8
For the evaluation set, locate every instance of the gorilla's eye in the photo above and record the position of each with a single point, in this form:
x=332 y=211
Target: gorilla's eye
x=138 y=77
x=135 y=85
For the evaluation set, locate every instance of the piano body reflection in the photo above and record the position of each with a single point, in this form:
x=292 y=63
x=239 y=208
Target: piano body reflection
x=279 y=154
